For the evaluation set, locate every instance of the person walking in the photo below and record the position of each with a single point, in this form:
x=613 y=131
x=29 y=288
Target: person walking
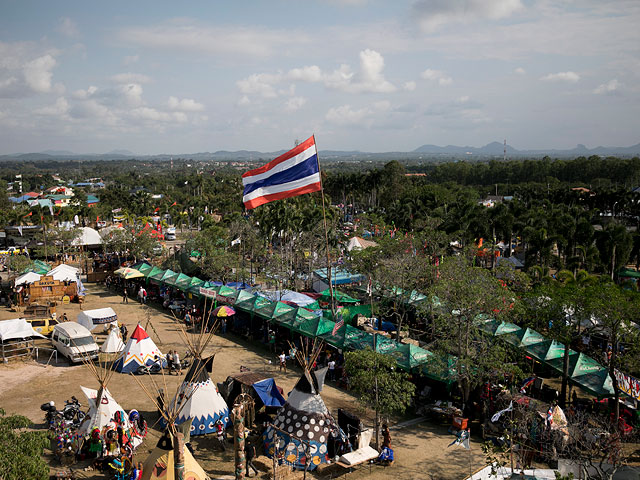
x=125 y=298
x=283 y=362
x=250 y=450
x=332 y=370
x=176 y=363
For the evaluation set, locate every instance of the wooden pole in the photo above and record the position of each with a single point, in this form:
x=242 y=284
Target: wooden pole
x=178 y=456
x=238 y=440
x=326 y=235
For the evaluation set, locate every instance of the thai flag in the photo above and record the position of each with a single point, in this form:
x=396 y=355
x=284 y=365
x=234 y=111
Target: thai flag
x=294 y=173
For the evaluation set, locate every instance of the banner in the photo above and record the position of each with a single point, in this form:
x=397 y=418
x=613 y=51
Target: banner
x=207 y=292
x=628 y=385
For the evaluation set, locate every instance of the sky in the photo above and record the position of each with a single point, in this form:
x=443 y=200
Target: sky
x=157 y=77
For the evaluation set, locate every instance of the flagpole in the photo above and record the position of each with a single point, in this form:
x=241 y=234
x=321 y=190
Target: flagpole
x=326 y=235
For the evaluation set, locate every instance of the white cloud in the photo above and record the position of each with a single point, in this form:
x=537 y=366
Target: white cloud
x=569 y=77
x=37 y=73
x=185 y=105
x=520 y=71
x=60 y=108
x=345 y=115
x=148 y=113
x=432 y=14
x=131 y=59
x=130 y=78
x=294 y=104
x=259 y=84
x=132 y=94
x=611 y=87
x=244 y=101
x=82 y=94
x=368 y=79
x=188 y=36
x=67 y=27
x=409 y=86
x=437 y=76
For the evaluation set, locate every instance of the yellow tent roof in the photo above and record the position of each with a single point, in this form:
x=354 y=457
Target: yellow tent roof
x=160 y=466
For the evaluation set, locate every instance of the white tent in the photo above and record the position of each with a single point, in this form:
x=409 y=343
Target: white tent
x=101 y=412
x=299 y=299
x=88 y=236
x=64 y=273
x=140 y=350
x=358 y=243
x=16 y=328
x=101 y=316
x=26 y=278
x=113 y=343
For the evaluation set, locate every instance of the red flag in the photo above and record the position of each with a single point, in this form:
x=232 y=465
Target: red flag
x=174 y=203
x=156 y=210
x=98 y=218
x=28 y=214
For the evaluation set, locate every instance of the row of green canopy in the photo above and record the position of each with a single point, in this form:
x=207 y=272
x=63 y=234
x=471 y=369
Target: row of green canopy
x=584 y=371
x=305 y=322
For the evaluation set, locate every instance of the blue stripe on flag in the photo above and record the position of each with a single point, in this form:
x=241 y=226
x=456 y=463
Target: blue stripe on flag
x=301 y=170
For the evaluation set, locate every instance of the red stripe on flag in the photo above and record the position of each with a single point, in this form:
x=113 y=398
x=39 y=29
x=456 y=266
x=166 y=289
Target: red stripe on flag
x=286 y=156
x=256 y=202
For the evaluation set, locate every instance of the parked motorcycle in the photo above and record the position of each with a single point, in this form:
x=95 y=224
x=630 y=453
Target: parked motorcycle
x=73 y=410
x=153 y=369
x=50 y=414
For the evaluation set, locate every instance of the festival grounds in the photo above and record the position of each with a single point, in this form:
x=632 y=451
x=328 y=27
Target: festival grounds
x=420 y=447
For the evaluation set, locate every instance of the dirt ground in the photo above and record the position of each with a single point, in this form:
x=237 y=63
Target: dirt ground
x=420 y=447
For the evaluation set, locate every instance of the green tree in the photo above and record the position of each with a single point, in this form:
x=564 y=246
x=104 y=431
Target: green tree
x=378 y=384
x=21 y=450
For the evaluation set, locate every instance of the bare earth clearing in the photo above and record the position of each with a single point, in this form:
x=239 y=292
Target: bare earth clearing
x=421 y=449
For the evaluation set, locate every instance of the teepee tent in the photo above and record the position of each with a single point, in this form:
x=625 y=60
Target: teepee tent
x=102 y=409
x=198 y=398
x=160 y=464
x=113 y=343
x=305 y=419
x=140 y=350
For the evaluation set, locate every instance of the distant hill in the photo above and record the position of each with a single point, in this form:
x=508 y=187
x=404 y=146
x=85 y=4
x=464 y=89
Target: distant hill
x=497 y=149
x=490 y=150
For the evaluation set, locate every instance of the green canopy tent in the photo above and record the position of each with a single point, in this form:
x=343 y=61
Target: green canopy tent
x=515 y=338
x=339 y=297
x=236 y=296
x=308 y=327
x=182 y=282
x=274 y=310
x=169 y=277
x=441 y=368
x=545 y=350
x=39 y=267
x=496 y=327
x=144 y=268
x=410 y=356
x=245 y=305
x=325 y=332
x=591 y=376
x=410 y=298
x=385 y=345
x=356 y=339
x=155 y=273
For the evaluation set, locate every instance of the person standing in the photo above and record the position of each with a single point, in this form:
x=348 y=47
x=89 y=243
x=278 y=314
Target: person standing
x=223 y=325
x=332 y=370
x=250 y=455
x=176 y=363
x=125 y=298
x=141 y=295
x=283 y=362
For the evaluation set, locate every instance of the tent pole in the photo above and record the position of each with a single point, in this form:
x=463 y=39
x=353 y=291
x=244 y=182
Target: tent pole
x=326 y=235
x=178 y=456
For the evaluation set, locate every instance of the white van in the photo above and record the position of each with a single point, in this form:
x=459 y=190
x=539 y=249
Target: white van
x=74 y=341
x=170 y=233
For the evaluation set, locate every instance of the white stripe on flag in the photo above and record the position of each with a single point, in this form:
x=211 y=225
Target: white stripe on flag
x=283 y=187
x=292 y=162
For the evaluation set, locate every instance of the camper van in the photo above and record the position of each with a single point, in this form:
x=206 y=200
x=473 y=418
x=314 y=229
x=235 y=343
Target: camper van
x=74 y=341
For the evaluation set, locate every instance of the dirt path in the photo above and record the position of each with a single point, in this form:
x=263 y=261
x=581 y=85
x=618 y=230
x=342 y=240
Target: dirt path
x=421 y=449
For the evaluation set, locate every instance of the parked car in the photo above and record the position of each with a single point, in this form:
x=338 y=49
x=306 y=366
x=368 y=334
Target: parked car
x=74 y=341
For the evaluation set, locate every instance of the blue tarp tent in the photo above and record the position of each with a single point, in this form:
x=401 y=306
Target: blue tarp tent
x=269 y=393
x=263 y=389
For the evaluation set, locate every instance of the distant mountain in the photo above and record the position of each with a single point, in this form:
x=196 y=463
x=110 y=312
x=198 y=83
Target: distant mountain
x=490 y=150
x=497 y=149
x=125 y=153
x=57 y=153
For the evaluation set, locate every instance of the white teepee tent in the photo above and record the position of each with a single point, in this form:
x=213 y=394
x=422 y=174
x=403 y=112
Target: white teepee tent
x=306 y=420
x=102 y=409
x=113 y=343
x=139 y=350
x=198 y=398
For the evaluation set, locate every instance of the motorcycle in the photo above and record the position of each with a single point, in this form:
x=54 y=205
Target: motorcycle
x=152 y=369
x=50 y=414
x=73 y=411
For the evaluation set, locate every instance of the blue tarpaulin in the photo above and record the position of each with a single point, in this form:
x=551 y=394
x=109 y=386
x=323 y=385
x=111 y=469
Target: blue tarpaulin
x=269 y=393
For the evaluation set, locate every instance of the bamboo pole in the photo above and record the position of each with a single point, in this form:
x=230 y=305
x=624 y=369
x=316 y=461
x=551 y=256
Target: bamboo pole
x=326 y=235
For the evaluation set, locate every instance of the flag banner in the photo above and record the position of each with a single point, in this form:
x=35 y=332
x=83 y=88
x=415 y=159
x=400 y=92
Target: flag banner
x=156 y=210
x=28 y=214
x=174 y=203
x=339 y=321
x=294 y=173
x=235 y=242
x=20 y=229
x=116 y=210
x=497 y=415
x=51 y=210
